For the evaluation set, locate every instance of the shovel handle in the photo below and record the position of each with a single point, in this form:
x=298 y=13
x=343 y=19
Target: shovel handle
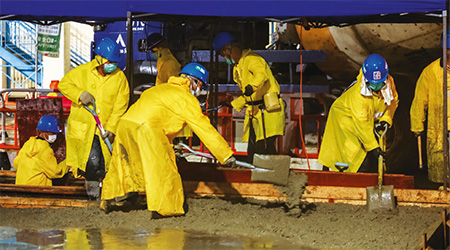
x=419 y=147
x=239 y=163
x=99 y=124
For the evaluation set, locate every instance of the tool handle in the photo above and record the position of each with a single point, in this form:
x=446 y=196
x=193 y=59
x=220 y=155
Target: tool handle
x=419 y=146
x=99 y=124
x=239 y=163
x=214 y=109
x=261 y=107
x=108 y=144
x=380 y=171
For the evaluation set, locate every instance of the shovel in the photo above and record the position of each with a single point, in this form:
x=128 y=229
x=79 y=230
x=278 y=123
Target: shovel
x=380 y=197
x=270 y=168
x=99 y=124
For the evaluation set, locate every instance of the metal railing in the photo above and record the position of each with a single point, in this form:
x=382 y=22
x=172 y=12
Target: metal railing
x=19 y=40
x=4 y=110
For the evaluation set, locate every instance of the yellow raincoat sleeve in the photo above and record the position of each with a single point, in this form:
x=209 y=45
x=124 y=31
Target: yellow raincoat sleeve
x=50 y=167
x=202 y=127
x=257 y=66
x=120 y=106
x=69 y=88
x=363 y=119
x=388 y=116
x=239 y=103
x=419 y=104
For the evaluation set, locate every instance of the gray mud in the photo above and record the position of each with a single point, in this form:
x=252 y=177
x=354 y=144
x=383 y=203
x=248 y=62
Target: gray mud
x=321 y=225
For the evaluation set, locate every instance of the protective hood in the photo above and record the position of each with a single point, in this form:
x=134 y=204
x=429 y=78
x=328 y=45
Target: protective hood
x=33 y=146
x=183 y=82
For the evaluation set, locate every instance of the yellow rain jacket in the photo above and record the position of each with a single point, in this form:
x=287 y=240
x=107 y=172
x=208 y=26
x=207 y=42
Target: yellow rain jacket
x=36 y=164
x=349 y=131
x=144 y=159
x=253 y=70
x=428 y=97
x=167 y=66
x=111 y=94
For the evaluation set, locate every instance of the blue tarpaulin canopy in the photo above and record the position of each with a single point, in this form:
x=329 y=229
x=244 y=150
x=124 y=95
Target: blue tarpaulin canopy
x=330 y=12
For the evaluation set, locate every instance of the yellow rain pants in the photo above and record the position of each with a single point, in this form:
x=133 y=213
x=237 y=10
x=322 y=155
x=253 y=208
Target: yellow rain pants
x=349 y=131
x=36 y=164
x=144 y=159
x=111 y=94
x=253 y=70
x=428 y=98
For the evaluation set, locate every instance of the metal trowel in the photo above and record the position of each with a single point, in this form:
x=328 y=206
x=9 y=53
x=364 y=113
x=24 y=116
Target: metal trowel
x=380 y=197
x=265 y=168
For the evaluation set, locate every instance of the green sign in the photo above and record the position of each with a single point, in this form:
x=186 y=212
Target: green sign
x=48 y=39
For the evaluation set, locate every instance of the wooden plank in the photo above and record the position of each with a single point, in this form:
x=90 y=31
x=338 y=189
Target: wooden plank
x=209 y=172
x=314 y=193
x=8 y=173
x=25 y=202
x=260 y=191
x=66 y=190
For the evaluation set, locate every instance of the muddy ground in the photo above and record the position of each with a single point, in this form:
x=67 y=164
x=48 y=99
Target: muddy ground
x=321 y=225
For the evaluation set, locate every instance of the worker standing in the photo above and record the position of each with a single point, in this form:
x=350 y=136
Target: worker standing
x=101 y=81
x=36 y=163
x=145 y=159
x=264 y=117
x=167 y=65
x=369 y=102
x=428 y=100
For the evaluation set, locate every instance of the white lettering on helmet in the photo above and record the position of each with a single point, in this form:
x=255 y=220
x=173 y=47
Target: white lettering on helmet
x=200 y=69
x=376 y=75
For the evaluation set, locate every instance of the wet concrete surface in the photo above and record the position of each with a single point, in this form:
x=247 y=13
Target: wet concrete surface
x=98 y=239
x=213 y=223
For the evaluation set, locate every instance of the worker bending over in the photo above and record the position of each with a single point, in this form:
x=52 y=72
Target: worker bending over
x=101 y=81
x=349 y=133
x=144 y=159
x=264 y=117
x=36 y=163
x=428 y=105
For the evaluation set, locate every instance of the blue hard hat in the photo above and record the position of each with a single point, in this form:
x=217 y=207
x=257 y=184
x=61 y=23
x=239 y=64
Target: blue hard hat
x=49 y=123
x=222 y=39
x=448 y=39
x=108 y=49
x=196 y=70
x=375 y=69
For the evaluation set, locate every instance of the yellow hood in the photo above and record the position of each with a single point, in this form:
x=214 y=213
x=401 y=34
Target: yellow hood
x=181 y=81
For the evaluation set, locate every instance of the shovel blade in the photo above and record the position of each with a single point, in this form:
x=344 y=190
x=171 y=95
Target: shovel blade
x=278 y=165
x=380 y=199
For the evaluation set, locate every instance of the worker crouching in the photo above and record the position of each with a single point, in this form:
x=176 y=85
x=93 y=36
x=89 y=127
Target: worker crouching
x=349 y=134
x=143 y=159
x=36 y=163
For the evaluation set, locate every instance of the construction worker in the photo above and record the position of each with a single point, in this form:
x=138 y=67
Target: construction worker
x=264 y=117
x=167 y=65
x=101 y=81
x=369 y=102
x=36 y=163
x=428 y=100
x=145 y=159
